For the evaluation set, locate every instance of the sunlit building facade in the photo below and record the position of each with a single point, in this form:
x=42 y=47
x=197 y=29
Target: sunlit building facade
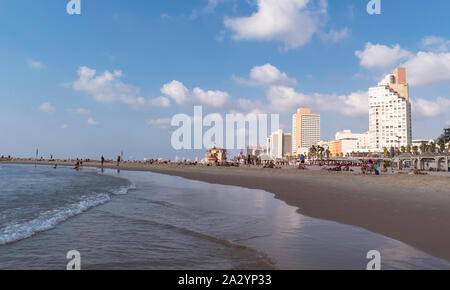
x=390 y=112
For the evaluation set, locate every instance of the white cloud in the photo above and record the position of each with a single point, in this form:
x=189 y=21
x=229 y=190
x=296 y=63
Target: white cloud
x=212 y=99
x=247 y=106
x=334 y=36
x=435 y=43
x=46 y=108
x=108 y=88
x=80 y=111
x=35 y=64
x=353 y=105
x=92 y=122
x=177 y=91
x=428 y=67
x=165 y=16
x=266 y=75
x=424 y=109
x=381 y=56
x=159 y=123
x=292 y=22
x=64 y=126
x=161 y=102
x=423 y=68
x=212 y=4
x=181 y=95
x=286 y=99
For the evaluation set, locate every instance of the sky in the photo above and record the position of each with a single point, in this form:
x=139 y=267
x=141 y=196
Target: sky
x=112 y=78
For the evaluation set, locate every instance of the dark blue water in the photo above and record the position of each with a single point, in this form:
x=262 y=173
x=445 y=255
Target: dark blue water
x=141 y=220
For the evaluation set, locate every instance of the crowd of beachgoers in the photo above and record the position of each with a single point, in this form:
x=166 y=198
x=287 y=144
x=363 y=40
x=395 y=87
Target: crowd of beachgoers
x=364 y=167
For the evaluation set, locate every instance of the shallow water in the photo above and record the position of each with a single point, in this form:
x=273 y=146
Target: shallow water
x=150 y=221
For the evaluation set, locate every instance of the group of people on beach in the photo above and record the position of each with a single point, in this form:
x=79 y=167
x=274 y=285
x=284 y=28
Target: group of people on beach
x=79 y=164
x=370 y=167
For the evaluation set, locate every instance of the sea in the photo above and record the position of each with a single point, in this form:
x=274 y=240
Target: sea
x=141 y=220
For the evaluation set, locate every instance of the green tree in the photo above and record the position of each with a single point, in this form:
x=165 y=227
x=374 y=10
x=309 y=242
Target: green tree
x=312 y=152
x=320 y=151
x=432 y=147
x=386 y=152
x=423 y=147
x=441 y=144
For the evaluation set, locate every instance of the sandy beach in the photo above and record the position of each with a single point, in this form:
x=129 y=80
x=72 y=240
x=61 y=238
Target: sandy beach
x=412 y=209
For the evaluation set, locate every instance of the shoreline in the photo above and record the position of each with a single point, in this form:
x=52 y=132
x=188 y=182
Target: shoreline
x=411 y=209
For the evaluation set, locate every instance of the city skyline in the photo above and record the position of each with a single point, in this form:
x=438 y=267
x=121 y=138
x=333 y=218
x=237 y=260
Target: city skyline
x=87 y=92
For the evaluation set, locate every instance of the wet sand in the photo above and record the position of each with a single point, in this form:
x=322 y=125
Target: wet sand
x=411 y=209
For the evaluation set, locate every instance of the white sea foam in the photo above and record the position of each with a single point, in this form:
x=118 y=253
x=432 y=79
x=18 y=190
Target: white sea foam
x=124 y=189
x=49 y=219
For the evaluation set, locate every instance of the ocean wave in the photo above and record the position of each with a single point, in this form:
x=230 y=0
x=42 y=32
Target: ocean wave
x=49 y=219
x=124 y=189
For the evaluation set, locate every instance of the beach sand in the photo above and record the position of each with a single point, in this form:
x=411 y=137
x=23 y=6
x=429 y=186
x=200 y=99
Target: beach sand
x=409 y=208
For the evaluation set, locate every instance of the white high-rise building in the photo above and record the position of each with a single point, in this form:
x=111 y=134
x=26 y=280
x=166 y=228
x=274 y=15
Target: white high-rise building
x=390 y=112
x=362 y=140
x=305 y=130
x=279 y=144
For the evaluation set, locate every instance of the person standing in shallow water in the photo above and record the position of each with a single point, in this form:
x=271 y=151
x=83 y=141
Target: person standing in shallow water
x=102 y=160
x=118 y=160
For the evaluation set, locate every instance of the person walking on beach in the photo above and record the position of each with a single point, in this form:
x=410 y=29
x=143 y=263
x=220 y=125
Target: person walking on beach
x=102 y=160
x=375 y=168
x=118 y=160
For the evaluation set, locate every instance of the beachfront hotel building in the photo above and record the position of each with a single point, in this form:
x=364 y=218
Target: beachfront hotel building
x=390 y=112
x=447 y=135
x=361 y=140
x=216 y=155
x=347 y=142
x=279 y=144
x=305 y=130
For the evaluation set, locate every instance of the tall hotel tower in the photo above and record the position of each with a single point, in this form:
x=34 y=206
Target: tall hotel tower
x=390 y=112
x=305 y=130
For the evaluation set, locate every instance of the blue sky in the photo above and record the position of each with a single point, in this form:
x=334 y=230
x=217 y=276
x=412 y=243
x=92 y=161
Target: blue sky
x=163 y=57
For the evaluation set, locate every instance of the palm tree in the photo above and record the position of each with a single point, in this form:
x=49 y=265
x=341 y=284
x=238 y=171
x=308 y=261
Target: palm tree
x=415 y=150
x=441 y=144
x=432 y=147
x=408 y=148
x=319 y=152
x=386 y=152
x=312 y=151
x=327 y=153
x=403 y=149
x=423 y=147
